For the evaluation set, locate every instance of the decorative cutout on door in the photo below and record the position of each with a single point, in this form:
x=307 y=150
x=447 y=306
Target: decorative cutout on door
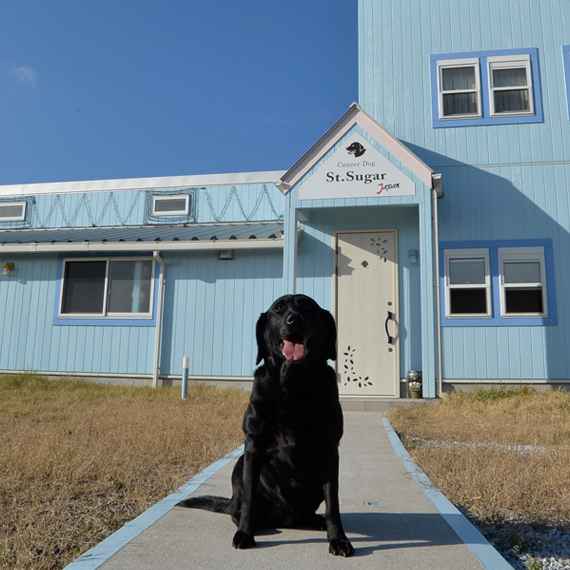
x=381 y=249
x=350 y=377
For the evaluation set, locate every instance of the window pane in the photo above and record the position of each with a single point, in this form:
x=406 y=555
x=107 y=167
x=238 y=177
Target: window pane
x=522 y=272
x=84 y=287
x=468 y=301
x=455 y=78
x=508 y=101
x=460 y=104
x=524 y=300
x=509 y=77
x=170 y=205
x=467 y=271
x=11 y=211
x=129 y=285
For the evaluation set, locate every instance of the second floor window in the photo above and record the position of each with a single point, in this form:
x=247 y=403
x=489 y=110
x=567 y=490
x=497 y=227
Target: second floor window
x=460 y=92
x=486 y=88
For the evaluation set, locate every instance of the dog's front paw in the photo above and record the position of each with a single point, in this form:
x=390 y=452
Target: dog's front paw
x=341 y=547
x=243 y=540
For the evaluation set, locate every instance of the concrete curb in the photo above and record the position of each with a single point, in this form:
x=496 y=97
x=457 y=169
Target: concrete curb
x=483 y=550
x=99 y=554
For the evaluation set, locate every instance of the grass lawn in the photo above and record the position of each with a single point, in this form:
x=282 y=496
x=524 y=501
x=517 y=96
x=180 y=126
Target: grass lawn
x=502 y=456
x=79 y=460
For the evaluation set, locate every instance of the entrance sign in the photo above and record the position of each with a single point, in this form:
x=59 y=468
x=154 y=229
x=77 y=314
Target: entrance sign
x=357 y=170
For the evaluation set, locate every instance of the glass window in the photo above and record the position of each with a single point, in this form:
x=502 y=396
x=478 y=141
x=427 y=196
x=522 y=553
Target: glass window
x=84 y=287
x=459 y=89
x=496 y=285
x=523 y=282
x=510 y=85
x=487 y=88
x=129 y=287
x=468 y=283
x=466 y=271
x=107 y=287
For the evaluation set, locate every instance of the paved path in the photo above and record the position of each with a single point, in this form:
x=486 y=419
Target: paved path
x=390 y=512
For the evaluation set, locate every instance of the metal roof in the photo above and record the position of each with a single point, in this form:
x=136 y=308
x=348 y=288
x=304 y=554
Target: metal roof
x=162 y=183
x=245 y=235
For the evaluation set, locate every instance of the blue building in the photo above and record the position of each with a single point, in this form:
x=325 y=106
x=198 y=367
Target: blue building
x=431 y=220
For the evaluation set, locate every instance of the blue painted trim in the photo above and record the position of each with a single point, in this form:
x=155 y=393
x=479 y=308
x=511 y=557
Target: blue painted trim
x=57 y=321
x=481 y=548
x=566 y=65
x=99 y=554
x=496 y=320
x=486 y=119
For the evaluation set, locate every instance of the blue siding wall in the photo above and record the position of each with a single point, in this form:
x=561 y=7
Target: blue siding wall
x=510 y=202
x=210 y=312
x=210 y=309
x=316 y=259
x=500 y=181
x=29 y=342
x=212 y=306
x=255 y=202
x=396 y=40
x=411 y=215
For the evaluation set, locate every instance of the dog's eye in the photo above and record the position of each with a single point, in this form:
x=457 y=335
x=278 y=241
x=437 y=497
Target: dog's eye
x=279 y=308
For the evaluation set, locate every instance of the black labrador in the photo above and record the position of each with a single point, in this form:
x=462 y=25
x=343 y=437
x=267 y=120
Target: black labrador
x=293 y=425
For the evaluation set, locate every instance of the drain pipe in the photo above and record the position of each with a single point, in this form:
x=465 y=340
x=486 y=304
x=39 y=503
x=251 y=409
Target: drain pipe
x=437 y=193
x=160 y=261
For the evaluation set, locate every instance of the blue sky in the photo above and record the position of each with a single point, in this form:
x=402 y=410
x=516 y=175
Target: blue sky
x=98 y=89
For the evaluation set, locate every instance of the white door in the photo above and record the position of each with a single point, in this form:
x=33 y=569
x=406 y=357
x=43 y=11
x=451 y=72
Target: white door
x=366 y=313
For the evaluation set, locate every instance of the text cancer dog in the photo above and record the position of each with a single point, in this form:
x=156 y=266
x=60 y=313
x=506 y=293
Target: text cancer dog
x=292 y=426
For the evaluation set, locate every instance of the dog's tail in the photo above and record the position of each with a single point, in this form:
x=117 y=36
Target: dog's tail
x=207 y=503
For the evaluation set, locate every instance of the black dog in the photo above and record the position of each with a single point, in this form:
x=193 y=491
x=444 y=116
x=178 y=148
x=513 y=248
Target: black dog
x=293 y=426
x=356 y=148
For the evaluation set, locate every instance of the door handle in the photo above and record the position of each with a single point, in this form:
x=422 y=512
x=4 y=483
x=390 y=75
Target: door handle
x=391 y=317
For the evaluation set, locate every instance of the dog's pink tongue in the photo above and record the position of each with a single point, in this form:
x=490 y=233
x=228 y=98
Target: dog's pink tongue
x=293 y=350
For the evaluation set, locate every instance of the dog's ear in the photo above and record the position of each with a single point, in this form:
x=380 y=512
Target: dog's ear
x=259 y=335
x=330 y=335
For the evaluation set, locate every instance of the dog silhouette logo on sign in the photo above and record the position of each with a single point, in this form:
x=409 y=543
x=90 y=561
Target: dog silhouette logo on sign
x=356 y=148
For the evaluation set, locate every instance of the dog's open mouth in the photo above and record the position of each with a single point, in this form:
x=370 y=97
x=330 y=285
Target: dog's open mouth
x=294 y=349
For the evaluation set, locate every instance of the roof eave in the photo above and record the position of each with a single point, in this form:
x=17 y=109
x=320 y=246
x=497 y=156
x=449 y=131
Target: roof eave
x=193 y=245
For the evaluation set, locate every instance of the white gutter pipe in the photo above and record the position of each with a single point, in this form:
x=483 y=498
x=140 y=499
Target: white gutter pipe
x=196 y=245
x=160 y=261
x=437 y=192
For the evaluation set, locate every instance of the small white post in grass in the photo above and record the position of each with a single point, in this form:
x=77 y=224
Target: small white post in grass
x=185 y=368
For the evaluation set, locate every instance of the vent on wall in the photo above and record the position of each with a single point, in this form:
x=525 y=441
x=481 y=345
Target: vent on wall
x=173 y=205
x=12 y=211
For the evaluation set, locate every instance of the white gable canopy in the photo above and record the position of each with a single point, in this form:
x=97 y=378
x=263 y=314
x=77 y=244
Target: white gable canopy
x=357 y=169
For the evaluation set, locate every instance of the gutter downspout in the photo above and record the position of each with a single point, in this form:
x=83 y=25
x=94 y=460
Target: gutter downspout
x=160 y=261
x=437 y=193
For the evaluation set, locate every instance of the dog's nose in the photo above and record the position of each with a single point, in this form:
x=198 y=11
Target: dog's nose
x=294 y=319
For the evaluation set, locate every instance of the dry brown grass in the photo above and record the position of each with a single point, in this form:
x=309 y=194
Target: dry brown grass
x=492 y=479
x=79 y=460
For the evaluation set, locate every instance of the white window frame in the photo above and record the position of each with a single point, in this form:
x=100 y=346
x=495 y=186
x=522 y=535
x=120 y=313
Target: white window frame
x=106 y=314
x=19 y=218
x=530 y=254
x=162 y=197
x=452 y=63
x=466 y=254
x=510 y=62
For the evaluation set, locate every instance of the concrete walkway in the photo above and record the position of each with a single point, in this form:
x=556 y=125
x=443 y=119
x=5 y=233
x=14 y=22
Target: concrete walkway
x=391 y=513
